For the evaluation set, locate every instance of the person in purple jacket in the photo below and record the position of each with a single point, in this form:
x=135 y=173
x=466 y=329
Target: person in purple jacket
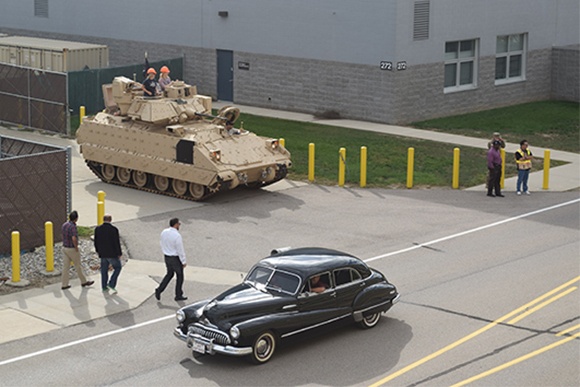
x=494 y=166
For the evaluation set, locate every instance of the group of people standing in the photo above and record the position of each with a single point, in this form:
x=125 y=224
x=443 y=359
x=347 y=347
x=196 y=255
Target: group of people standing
x=108 y=246
x=151 y=86
x=523 y=158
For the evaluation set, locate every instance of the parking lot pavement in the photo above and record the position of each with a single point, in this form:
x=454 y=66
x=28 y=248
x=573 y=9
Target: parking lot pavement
x=35 y=311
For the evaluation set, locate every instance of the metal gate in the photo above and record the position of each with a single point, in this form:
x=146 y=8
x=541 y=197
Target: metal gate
x=33 y=98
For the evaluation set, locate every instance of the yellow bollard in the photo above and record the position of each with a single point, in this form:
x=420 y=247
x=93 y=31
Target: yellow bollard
x=101 y=196
x=363 y=166
x=81 y=114
x=49 y=243
x=311 y=162
x=100 y=213
x=410 y=166
x=100 y=207
x=282 y=142
x=455 y=180
x=341 y=166
x=546 y=169
x=502 y=178
x=15 y=256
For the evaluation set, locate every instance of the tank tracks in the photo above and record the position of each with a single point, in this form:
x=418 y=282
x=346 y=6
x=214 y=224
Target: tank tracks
x=97 y=169
x=149 y=186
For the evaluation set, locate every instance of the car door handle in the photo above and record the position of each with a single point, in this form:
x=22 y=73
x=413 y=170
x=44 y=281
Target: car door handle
x=286 y=307
x=362 y=284
x=333 y=294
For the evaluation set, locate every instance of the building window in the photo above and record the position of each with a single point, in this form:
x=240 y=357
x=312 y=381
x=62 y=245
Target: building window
x=460 y=65
x=41 y=8
x=510 y=58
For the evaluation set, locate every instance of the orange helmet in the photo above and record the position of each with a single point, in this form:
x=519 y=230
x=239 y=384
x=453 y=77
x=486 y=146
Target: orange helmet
x=151 y=70
x=164 y=69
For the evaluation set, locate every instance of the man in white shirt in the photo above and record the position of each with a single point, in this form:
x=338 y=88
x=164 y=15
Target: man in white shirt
x=172 y=248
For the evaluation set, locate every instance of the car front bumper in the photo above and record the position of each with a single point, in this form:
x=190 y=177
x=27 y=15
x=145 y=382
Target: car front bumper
x=211 y=347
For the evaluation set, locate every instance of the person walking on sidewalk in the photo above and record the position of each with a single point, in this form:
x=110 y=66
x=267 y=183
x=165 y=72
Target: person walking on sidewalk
x=70 y=243
x=494 y=167
x=174 y=254
x=524 y=163
x=108 y=246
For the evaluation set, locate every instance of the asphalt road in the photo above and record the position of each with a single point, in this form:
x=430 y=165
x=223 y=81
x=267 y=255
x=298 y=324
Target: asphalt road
x=487 y=285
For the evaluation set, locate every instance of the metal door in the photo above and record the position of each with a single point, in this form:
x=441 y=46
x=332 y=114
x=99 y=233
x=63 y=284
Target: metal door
x=225 y=76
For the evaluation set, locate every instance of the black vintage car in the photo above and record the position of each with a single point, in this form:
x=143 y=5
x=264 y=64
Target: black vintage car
x=287 y=293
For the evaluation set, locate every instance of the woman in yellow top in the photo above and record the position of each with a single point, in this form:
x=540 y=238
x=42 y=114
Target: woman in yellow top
x=524 y=163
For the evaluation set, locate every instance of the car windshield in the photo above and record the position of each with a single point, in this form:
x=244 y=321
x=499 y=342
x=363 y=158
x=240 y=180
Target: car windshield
x=276 y=280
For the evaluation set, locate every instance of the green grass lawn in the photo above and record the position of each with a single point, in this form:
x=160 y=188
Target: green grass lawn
x=547 y=124
x=386 y=155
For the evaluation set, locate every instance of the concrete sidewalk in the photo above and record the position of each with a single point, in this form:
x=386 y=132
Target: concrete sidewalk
x=39 y=310
x=562 y=178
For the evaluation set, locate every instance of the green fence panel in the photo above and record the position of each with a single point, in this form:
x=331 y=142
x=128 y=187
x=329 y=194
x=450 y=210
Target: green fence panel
x=85 y=86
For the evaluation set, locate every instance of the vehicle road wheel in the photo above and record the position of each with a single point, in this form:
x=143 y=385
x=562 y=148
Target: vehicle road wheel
x=108 y=172
x=263 y=348
x=197 y=191
x=370 y=321
x=140 y=178
x=124 y=175
x=179 y=187
x=161 y=183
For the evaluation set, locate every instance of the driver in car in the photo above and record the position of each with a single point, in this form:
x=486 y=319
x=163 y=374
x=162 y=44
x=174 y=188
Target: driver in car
x=317 y=285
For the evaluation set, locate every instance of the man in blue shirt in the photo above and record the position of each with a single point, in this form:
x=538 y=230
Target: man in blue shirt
x=150 y=85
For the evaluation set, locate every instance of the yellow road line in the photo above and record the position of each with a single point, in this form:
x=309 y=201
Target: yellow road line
x=471 y=336
x=568 y=330
x=538 y=307
x=516 y=361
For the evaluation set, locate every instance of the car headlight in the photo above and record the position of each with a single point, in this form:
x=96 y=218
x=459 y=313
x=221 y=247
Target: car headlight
x=180 y=316
x=234 y=332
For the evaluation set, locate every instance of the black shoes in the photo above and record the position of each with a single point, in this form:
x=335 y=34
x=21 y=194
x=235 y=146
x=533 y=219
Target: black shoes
x=500 y=196
x=88 y=283
x=491 y=195
x=65 y=287
x=157 y=295
x=182 y=298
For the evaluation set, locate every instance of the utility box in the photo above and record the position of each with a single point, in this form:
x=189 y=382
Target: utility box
x=53 y=55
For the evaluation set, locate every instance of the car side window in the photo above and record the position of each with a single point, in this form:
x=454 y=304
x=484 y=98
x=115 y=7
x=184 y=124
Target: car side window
x=345 y=276
x=318 y=283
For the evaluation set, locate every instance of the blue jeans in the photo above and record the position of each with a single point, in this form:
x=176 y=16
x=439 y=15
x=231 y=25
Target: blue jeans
x=105 y=262
x=523 y=175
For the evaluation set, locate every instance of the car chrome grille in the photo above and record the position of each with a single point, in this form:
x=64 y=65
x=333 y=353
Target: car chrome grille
x=218 y=337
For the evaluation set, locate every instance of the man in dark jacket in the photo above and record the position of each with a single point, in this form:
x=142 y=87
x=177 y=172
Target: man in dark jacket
x=108 y=247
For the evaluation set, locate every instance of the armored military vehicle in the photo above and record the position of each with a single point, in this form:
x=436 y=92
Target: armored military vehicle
x=172 y=144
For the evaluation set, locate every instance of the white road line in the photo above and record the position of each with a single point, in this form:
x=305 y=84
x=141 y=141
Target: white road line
x=472 y=230
x=92 y=338
x=85 y=340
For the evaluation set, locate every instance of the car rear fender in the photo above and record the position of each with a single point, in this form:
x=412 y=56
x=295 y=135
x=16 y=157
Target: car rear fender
x=373 y=299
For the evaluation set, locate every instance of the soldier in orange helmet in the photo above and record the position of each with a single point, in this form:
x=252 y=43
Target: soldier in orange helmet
x=164 y=79
x=150 y=85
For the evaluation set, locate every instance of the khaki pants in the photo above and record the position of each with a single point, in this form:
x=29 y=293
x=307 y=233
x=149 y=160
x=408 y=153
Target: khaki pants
x=71 y=254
